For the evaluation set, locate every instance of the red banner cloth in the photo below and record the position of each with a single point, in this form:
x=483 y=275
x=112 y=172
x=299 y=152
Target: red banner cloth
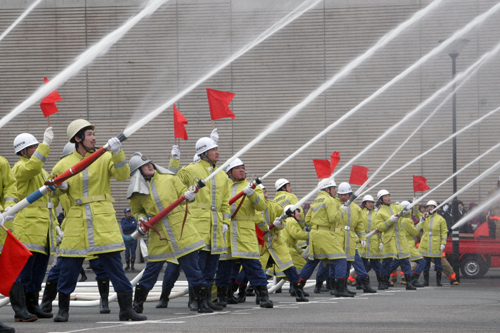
x=322 y=168
x=420 y=184
x=48 y=103
x=334 y=160
x=260 y=236
x=179 y=125
x=14 y=257
x=218 y=102
x=358 y=175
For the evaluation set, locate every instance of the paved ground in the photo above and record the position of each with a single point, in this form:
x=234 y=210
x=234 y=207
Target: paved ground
x=472 y=306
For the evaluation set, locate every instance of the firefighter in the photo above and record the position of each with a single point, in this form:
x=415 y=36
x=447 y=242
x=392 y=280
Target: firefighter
x=394 y=244
x=7 y=200
x=211 y=208
x=285 y=197
x=176 y=236
x=34 y=226
x=242 y=238
x=350 y=223
x=102 y=278
x=433 y=241
x=324 y=241
x=91 y=227
x=371 y=254
x=276 y=251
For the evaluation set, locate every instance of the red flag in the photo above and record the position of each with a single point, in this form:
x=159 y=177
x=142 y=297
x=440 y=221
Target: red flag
x=322 y=168
x=179 y=123
x=358 y=175
x=260 y=236
x=14 y=257
x=334 y=160
x=48 y=103
x=218 y=102
x=420 y=184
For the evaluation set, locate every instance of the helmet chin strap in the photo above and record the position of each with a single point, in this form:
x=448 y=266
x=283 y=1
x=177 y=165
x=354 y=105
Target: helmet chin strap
x=206 y=159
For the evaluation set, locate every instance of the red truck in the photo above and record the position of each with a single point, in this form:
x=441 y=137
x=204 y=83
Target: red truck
x=478 y=252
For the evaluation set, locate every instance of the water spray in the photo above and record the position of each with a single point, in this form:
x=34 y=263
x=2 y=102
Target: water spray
x=477 y=210
x=83 y=60
x=20 y=18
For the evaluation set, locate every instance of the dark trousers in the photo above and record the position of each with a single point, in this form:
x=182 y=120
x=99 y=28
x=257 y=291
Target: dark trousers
x=33 y=272
x=252 y=267
x=404 y=263
x=130 y=249
x=208 y=264
x=336 y=271
x=372 y=263
x=70 y=270
x=359 y=266
x=438 y=266
x=95 y=264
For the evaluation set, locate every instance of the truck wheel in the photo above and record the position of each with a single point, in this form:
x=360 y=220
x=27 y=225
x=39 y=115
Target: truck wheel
x=473 y=267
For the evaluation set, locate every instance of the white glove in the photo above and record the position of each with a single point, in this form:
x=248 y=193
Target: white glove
x=248 y=190
x=48 y=136
x=114 y=145
x=445 y=208
x=7 y=209
x=189 y=195
x=214 y=135
x=305 y=252
x=405 y=211
x=442 y=247
x=225 y=228
x=8 y=217
x=394 y=218
x=381 y=247
x=278 y=223
x=363 y=243
x=176 y=152
x=2 y=220
x=63 y=186
x=143 y=219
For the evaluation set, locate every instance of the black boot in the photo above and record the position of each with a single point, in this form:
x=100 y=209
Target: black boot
x=359 y=283
x=381 y=284
x=438 y=279
x=222 y=296
x=212 y=305
x=126 y=310
x=49 y=295
x=242 y=293
x=328 y=286
x=280 y=289
x=201 y=295
x=84 y=276
x=353 y=293
x=193 y=306
x=366 y=285
x=317 y=288
x=299 y=292
x=264 y=297
x=163 y=303
x=334 y=291
x=233 y=287
x=6 y=329
x=33 y=307
x=141 y=294
x=103 y=286
x=128 y=264
x=414 y=281
x=132 y=262
x=63 y=313
x=426 y=279
x=18 y=303
x=409 y=284
x=388 y=281
x=341 y=286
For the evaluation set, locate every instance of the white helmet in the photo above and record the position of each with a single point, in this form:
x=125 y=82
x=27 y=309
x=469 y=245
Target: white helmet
x=68 y=149
x=287 y=207
x=75 y=126
x=405 y=203
x=196 y=158
x=136 y=161
x=24 y=140
x=368 y=198
x=280 y=183
x=345 y=188
x=431 y=203
x=234 y=163
x=381 y=193
x=205 y=144
x=326 y=183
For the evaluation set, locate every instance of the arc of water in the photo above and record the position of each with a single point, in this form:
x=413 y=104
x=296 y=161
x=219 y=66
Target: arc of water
x=459 y=77
x=20 y=18
x=471 y=214
x=83 y=60
x=475 y=22
x=450 y=95
x=297 y=12
x=343 y=73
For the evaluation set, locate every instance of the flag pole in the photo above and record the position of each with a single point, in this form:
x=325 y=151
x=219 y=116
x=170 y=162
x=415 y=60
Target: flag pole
x=175 y=141
x=48 y=121
x=213 y=124
x=4 y=227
